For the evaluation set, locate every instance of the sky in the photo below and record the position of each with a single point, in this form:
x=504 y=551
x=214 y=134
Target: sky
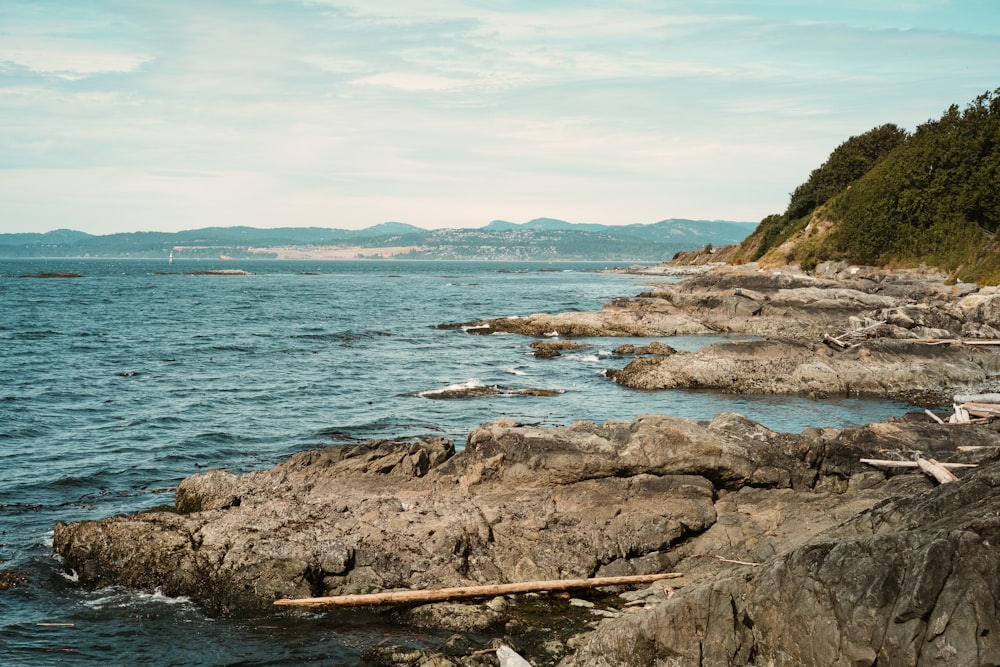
x=164 y=115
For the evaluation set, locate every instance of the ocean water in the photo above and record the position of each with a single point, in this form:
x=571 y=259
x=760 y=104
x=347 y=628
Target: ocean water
x=117 y=384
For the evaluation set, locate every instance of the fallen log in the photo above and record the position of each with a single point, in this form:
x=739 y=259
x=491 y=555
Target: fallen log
x=936 y=470
x=934 y=417
x=977 y=398
x=982 y=409
x=961 y=416
x=465 y=592
x=886 y=463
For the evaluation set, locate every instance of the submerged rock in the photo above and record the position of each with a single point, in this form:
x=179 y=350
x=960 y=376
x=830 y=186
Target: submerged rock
x=480 y=390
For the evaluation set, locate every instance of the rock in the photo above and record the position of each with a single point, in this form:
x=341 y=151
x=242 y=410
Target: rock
x=655 y=348
x=11 y=578
x=885 y=368
x=784 y=305
x=910 y=581
x=478 y=391
x=559 y=345
x=549 y=349
x=792 y=550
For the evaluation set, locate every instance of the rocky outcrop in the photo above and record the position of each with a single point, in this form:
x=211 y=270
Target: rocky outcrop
x=908 y=335
x=792 y=551
x=524 y=503
x=548 y=349
x=911 y=581
x=784 y=304
x=884 y=367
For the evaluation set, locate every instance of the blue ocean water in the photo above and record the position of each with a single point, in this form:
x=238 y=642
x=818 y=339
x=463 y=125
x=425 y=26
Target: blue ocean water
x=117 y=384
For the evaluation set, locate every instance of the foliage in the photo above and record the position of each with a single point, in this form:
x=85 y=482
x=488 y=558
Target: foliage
x=847 y=163
x=890 y=199
x=933 y=200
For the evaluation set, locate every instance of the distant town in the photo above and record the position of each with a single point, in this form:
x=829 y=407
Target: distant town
x=540 y=239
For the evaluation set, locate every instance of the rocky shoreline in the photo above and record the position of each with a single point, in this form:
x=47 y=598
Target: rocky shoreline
x=791 y=549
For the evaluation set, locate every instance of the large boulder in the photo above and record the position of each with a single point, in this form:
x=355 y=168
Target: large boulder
x=911 y=581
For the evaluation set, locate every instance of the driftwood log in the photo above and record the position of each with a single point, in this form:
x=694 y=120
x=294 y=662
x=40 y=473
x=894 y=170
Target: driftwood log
x=939 y=471
x=886 y=463
x=466 y=592
x=936 y=470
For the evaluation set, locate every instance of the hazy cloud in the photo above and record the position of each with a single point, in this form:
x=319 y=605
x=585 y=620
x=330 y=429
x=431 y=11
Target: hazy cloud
x=140 y=114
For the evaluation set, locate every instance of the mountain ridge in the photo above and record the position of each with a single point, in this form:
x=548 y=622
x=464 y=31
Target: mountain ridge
x=537 y=239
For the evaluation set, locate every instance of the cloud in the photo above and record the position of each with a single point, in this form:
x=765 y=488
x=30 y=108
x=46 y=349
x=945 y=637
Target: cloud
x=410 y=82
x=56 y=56
x=447 y=112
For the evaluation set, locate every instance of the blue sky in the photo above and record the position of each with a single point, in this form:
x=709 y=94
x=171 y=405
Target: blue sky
x=127 y=115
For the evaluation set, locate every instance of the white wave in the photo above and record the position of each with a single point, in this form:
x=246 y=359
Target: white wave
x=72 y=576
x=586 y=357
x=553 y=334
x=468 y=384
x=515 y=371
x=467 y=328
x=120 y=598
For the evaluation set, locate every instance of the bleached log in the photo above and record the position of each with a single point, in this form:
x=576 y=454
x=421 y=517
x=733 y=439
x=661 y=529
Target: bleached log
x=934 y=417
x=936 y=470
x=961 y=415
x=508 y=657
x=977 y=398
x=982 y=409
x=888 y=463
x=465 y=592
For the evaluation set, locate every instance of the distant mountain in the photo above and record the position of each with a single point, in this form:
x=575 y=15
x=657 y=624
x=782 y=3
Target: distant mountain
x=538 y=239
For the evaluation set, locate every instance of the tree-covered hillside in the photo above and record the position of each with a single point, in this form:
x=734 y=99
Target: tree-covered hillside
x=890 y=198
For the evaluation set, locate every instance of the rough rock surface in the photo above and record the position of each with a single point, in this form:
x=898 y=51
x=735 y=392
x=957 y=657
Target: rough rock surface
x=782 y=304
x=881 y=367
x=656 y=494
x=792 y=551
x=911 y=581
x=907 y=333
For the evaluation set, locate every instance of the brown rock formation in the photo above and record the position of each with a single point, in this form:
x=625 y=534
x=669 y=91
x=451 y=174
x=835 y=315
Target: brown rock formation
x=657 y=494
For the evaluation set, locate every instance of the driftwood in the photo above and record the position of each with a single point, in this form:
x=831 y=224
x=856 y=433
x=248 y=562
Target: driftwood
x=936 y=470
x=958 y=341
x=465 y=592
x=939 y=471
x=961 y=415
x=887 y=463
x=977 y=398
x=508 y=657
x=982 y=409
x=852 y=337
x=934 y=417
